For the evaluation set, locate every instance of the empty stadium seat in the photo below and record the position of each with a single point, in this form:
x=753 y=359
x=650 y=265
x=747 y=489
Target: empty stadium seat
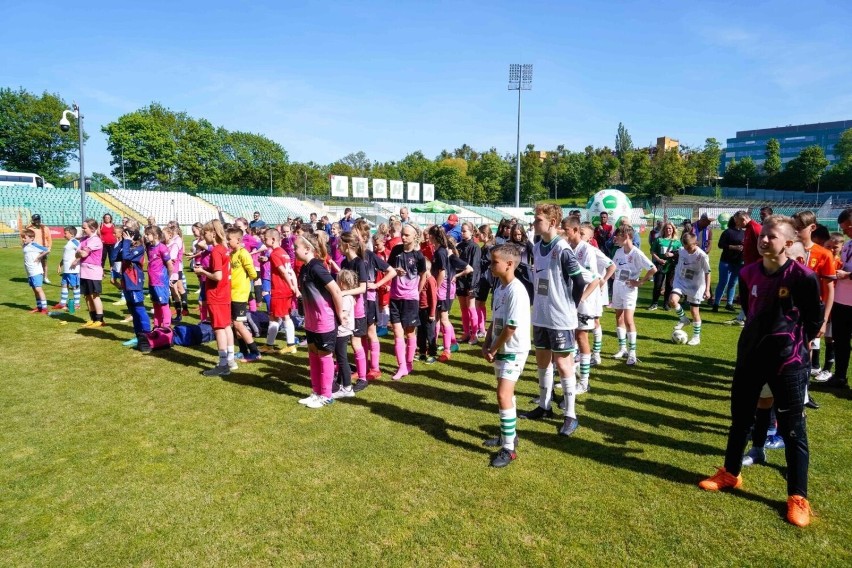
x=166 y=206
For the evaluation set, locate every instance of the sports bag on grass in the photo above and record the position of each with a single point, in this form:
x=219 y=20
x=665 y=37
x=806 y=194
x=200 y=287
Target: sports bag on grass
x=156 y=339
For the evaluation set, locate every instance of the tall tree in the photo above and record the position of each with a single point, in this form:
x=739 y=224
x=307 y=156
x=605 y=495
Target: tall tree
x=740 y=174
x=843 y=148
x=30 y=137
x=669 y=174
x=623 y=146
x=808 y=166
x=772 y=163
x=638 y=171
x=489 y=171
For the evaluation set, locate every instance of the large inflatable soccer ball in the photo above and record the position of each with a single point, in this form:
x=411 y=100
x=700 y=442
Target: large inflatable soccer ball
x=611 y=201
x=679 y=336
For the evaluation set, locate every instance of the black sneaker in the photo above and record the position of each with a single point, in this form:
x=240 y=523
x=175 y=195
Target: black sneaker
x=731 y=308
x=360 y=385
x=811 y=403
x=836 y=382
x=537 y=413
x=497 y=442
x=568 y=427
x=422 y=358
x=217 y=371
x=503 y=458
x=715 y=309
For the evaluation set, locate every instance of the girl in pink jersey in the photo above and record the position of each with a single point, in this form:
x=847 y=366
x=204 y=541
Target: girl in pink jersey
x=174 y=242
x=322 y=303
x=353 y=259
x=160 y=266
x=408 y=266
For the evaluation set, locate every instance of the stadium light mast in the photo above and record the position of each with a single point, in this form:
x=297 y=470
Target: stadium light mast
x=520 y=79
x=65 y=126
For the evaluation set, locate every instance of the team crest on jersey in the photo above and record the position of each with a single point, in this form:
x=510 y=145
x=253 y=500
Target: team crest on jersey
x=554 y=254
x=783 y=292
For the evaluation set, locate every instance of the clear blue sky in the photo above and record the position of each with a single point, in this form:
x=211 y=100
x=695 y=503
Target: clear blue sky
x=324 y=79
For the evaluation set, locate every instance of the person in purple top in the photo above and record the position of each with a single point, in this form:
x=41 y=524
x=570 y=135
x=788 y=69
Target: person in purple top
x=159 y=268
x=784 y=312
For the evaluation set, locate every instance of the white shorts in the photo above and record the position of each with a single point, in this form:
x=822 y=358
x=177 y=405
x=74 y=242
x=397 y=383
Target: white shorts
x=624 y=297
x=691 y=296
x=589 y=325
x=510 y=370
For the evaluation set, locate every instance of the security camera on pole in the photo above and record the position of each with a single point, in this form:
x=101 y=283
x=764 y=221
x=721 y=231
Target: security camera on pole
x=65 y=126
x=520 y=79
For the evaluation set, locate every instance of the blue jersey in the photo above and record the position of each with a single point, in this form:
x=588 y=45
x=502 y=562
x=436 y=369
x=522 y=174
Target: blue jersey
x=132 y=259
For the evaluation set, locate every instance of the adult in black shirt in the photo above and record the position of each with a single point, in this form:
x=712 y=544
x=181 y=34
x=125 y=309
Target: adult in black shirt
x=731 y=245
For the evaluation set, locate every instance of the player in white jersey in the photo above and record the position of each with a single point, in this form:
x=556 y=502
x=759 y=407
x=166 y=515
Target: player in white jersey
x=507 y=345
x=588 y=232
x=560 y=284
x=590 y=310
x=629 y=264
x=692 y=283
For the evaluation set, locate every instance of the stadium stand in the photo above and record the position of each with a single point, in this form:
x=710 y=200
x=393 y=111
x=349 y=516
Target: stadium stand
x=489 y=213
x=57 y=207
x=521 y=213
x=295 y=208
x=245 y=205
x=165 y=205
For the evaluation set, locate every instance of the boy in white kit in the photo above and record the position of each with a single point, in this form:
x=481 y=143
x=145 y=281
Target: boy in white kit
x=691 y=282
x=560 y=284
x=69 y=268
x=589 y=311
x=629 y=264
x=507 y=345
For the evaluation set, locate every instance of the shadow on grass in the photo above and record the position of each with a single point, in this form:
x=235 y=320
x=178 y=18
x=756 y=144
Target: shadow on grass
x=463 y=399
x=693 y=363
x=651 y=384
x=430 y=424
x=599 y=388
x=26 y=307
x=654 y=419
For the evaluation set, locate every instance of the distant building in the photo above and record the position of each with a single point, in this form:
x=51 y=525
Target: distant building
x=793 y=139
x=665 y=143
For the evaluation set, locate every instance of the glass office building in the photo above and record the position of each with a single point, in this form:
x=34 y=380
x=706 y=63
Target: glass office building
x=793 y=139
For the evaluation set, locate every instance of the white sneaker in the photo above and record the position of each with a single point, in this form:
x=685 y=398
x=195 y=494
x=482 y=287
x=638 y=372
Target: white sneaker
x=308 y=399
x=696 y=340
x=480 y=335
x=622 y=353
x=631 y=359
x=595 y=360
x=823 y=376
x=814 y=372
x=319 y=402
x=682 y=322
x=343 y=392
x=232 y=365
x=47 y=280
x=582 y=388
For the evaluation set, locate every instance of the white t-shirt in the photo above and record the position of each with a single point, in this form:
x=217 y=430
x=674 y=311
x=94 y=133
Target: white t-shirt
x=347 y=313
x=691 y=270
x=629 y=266
x=596 y=263
x=68 y=257
x=511 y=307
x=31 y=261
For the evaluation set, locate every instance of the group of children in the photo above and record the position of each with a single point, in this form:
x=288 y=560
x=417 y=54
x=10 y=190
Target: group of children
x=549 y=296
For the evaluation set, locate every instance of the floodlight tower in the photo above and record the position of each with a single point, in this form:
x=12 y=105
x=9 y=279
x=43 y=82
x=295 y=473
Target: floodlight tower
x=520 y=79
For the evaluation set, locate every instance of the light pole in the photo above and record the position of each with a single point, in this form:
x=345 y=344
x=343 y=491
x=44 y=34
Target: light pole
x=65 y=126
x=123 y=179
x=819 y=177
x=270 y=179
x=520 y=79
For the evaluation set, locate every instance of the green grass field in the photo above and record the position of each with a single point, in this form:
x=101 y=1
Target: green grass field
x=111 y=457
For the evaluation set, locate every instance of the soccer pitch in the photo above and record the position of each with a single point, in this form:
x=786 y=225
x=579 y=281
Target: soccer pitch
x=111 y=457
